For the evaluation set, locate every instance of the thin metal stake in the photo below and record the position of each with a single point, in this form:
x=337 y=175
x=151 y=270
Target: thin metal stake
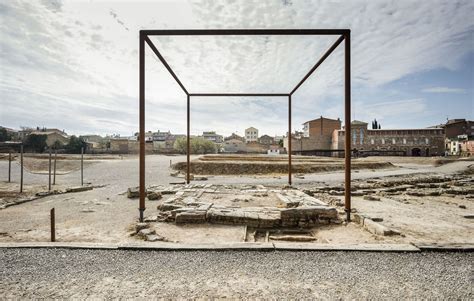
x=54 y=172
x=21 y=169
x=53 y=225
x=289 y=140
x=9 y=166
x=82 y=166
x=49 y=172
x=188 y=138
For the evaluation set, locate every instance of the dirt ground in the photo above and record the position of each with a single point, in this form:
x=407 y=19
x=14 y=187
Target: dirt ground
x=271 y=165
x=105 y=214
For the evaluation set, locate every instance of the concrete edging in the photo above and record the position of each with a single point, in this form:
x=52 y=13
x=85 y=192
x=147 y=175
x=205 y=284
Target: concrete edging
x=241 y=246
x=245 y=246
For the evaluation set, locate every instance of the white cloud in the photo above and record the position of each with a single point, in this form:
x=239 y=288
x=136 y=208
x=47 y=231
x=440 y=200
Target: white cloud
x=80 y=59
x=443 y=90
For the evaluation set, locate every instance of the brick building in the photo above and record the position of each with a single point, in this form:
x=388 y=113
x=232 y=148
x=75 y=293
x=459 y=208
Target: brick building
x=403 y=142
x=459 y=137
x=316 y=137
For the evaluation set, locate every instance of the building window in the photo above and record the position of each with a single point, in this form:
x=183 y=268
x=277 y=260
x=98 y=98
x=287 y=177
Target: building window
x=354 y=137
x=427 y=141
x=404 y=141
x=372 y=141
x=394 y=141
x=361 y=137
x=383 y=141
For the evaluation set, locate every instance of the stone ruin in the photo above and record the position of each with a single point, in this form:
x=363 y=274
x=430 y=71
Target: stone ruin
x=253 y=206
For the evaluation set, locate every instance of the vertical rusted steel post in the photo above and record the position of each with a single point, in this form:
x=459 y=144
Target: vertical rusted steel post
x=9 y=166
x=54 y=169
x=21 y=168
x=347 y=119
x=141 y=136
x=82 y=166
x=53 y=226
x=289 y=139
x=49 y=171
x=188 y=139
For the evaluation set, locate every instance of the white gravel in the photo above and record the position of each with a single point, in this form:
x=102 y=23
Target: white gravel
x=62 y=273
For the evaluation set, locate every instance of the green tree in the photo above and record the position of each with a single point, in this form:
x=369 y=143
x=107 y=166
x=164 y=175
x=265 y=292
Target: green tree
x=57 y=145
x=180 y=145
x=4 y=136
x=36 y=143
x=75 y=144
x=197 y=145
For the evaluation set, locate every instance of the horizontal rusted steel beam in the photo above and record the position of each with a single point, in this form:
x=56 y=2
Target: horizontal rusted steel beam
x=215 y=32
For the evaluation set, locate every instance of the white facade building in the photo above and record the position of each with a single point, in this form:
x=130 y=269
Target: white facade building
x=251 y=135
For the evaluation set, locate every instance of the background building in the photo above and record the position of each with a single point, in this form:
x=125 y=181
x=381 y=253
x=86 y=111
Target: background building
x=265 y=139
x=402 y=142
x=212 y=136
x=459 y=137
x=251 y=135
x=316 y=138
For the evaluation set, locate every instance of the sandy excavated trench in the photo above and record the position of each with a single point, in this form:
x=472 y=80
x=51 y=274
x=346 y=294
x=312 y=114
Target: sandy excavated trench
x=263 y=164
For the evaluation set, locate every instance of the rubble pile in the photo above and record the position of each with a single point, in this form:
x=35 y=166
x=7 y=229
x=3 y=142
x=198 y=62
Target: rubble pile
x=418 y=185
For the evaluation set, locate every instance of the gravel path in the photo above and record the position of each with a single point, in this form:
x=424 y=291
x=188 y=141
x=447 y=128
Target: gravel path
x=61 y=273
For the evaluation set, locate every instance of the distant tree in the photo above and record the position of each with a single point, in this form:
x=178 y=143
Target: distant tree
x=280 y=142
x=75 y=144
x=375 y=124
x=4 y=136
x=203 y=146
x=380 y=126
x=57 y=145
x=36 y=143
x=180 y=145
x=197 y=145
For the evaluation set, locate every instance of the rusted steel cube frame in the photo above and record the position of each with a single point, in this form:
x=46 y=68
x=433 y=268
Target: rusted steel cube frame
x=344 y=35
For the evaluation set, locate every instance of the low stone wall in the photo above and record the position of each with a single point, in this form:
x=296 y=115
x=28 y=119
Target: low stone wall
x=256 y=167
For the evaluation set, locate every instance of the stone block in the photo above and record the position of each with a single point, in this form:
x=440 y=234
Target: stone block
x=379 y=229
x=141 y=226
x=371 y=198
x=153 y=195
x=191 y=217
x=143 y=233
x=287 y=202
x=166 y=206
x=80 y=188
x=154 y=237
x=133 y=192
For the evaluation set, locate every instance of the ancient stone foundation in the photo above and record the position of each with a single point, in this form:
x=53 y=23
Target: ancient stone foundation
x=254 y=206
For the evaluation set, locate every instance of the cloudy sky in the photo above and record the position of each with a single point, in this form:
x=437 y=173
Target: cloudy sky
x=74 y=64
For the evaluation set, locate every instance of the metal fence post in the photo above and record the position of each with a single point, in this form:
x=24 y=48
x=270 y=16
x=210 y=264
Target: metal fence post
x=21 y=168
x=82 y=166
x=289 y=140
x=49 y=171
x=53 y=225
x=54 y=169
x=188 y=138
x=9 y=166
